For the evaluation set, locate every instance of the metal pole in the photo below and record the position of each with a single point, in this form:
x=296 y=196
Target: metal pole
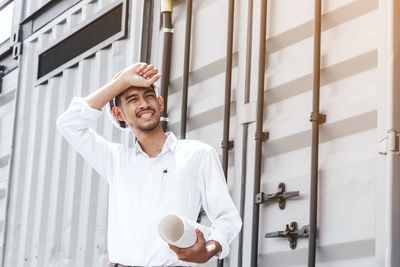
x=245 y=126
x=315 y=119
x=226 y=144
x=259 y=133
x=185 y=85
x=166 y=11
x=147 y=25
x=392 y=125
x=228 y=79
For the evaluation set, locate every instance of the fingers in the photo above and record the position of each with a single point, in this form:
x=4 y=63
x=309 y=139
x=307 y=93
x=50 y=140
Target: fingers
x=175 y=249
x=142 y=66
x=144 y=69
x=148 y=69
x=195 y=253
x=139 y=74
x=150 y=73
x=200 y=236
x=155 y=78
x=181 y=253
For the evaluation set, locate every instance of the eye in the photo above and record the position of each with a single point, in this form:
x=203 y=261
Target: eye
x=150 y=96
x=132 y=100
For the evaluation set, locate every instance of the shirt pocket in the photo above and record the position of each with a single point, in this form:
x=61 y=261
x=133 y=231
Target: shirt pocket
x=176 y=192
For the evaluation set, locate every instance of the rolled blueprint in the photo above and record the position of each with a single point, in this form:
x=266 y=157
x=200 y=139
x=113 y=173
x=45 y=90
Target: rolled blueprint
x=179 y=231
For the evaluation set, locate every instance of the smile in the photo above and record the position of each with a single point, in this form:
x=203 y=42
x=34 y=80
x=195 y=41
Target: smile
x=146 y=115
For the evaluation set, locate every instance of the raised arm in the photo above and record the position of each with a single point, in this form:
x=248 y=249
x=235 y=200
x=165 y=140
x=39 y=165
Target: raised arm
x=76 y=123
x=138 y=75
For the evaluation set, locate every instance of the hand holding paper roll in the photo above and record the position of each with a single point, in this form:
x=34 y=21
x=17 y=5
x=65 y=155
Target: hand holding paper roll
x=180 y=231
x=186 y=239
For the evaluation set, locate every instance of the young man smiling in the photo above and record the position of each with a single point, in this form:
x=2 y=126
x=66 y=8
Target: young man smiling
x=155 y=176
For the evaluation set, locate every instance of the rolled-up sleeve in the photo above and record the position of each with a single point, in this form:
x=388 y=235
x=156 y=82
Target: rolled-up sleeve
x=217 y=203
x=74 y=125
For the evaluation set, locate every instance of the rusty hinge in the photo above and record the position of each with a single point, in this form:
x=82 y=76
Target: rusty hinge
x=390 y=142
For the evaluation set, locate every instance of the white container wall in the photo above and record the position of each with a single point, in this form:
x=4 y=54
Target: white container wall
x=351 y=199
x=7 y=106
x=58 y=204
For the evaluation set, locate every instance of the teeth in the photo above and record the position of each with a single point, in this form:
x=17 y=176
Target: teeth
x=146 y=115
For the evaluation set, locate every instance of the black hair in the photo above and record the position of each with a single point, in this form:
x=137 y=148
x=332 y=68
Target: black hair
x=122 y=124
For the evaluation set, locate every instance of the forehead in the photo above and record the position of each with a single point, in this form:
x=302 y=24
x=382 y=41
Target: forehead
x=136 y=90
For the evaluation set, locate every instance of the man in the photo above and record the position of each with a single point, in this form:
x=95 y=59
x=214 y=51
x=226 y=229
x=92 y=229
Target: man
x=155 y=176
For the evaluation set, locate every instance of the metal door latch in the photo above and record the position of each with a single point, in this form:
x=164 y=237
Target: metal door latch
x=227 y=144
x=263 y=136
x=318 y=117
x=291 y=233
x=281 y=195
x=390 y=142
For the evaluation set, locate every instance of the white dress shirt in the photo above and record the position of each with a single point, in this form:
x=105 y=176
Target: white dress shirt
x=186 y=175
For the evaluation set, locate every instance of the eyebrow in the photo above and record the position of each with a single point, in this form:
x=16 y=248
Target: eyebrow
x=130 y=96
x=150 y=90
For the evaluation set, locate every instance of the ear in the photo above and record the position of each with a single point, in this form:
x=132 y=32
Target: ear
x=117 y=112
x=161 y=102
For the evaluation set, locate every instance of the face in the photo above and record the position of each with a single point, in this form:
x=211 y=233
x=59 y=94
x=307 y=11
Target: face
x=140 y=108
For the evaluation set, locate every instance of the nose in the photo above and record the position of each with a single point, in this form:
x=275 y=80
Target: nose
x=143 y=103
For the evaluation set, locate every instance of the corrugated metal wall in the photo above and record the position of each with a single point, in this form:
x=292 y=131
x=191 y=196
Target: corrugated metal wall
x=33 y=6
x=349 y=90
x=58 y=207
x=7 y=106
x=348 y=151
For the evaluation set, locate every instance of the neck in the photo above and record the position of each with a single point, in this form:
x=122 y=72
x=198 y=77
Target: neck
x=151 y=142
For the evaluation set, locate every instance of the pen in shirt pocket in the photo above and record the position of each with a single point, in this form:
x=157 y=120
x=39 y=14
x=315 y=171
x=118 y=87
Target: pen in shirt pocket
x=165 y=171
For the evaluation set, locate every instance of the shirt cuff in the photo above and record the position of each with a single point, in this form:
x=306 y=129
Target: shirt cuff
x=87 y=111
x=220 y=239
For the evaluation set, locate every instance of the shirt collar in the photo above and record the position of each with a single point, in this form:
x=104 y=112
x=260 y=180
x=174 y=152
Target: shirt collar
x=170 y=143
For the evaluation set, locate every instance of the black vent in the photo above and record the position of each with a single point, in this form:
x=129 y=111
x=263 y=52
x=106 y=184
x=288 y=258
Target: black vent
x=81 y=41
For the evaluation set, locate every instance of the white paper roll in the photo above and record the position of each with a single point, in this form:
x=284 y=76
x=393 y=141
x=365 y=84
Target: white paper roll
x=179 y=231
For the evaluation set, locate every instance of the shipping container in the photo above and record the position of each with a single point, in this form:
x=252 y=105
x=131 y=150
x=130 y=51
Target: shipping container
x=53 y=205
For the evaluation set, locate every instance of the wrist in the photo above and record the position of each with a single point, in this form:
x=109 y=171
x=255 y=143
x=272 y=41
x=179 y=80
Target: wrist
x=122 y=83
